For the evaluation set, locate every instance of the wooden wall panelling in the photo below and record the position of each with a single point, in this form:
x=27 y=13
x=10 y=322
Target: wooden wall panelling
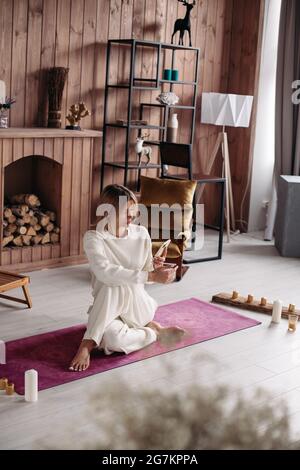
x=200 y=146
x=125 y=9
x=252 y=59
x=102 y=23
x=88 y=55
x=148 y=71
x=243 y=79
x=212 y=193
x=48 y=43
x=62 y=45
x=113 y=134
x=19 y=53
x=38 y=34
x=75 y=51
x=33 y=60
x=6 y=31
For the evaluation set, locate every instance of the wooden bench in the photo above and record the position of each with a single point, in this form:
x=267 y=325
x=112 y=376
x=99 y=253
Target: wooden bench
x=10 y=281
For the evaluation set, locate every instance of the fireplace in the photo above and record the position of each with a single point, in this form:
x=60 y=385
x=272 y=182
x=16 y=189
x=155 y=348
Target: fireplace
x=56 y=166
x=32 y=202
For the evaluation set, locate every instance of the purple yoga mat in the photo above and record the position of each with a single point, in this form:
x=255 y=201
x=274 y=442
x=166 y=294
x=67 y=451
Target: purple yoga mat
x=51 y=353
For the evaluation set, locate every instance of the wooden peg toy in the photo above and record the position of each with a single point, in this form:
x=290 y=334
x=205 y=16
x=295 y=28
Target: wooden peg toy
x=249 y=303
x=3 y=383
x=10 y=389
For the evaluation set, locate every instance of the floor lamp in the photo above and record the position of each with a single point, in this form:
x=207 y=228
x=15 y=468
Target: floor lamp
x=225 y=110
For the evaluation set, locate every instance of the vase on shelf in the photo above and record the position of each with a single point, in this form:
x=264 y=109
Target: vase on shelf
x=172 y=128
x=3 y=121
x=57 y=77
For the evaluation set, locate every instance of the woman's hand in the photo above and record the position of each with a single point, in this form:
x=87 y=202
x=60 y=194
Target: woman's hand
x=158 y=261
x=163 y=275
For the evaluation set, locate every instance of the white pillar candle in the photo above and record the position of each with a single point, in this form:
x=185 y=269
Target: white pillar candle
x=2 y=352
x=31 y=385
x=2 y=92
x=277 y=311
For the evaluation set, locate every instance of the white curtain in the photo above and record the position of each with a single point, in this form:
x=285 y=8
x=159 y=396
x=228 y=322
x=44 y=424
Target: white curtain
x=287 y=127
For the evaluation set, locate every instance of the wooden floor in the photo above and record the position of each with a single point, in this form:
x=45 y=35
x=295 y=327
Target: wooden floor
x=265 y=356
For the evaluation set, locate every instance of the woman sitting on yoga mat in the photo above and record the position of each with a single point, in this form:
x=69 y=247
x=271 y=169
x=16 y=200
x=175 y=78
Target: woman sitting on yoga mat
x=120 y=260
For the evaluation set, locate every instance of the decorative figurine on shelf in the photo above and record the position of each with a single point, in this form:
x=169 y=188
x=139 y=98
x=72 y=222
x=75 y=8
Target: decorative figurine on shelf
x=56 y=81
x=77 y=112
x=168 y=98
x=184 y=24
x=5 y=105
x=143 y=151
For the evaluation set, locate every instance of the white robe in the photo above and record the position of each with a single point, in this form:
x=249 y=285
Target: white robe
x=119 y=268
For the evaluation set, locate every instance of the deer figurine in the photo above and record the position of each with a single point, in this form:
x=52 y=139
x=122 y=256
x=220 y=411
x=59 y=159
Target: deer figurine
x=184 y=24
x=143 y=151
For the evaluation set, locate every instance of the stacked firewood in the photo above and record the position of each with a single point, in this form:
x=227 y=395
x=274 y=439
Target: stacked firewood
x=26 y=223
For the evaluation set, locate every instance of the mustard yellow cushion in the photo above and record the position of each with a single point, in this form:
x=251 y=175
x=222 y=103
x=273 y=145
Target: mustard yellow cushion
x=159 y=191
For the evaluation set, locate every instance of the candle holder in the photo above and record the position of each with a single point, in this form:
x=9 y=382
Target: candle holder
x=277 y=311
x=293 y=319
x=10 y=389
x=3 y=383
x=292 y=308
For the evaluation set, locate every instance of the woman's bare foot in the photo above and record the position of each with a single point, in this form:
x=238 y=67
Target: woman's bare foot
x=154 y=325
x=167 y=335
x=82 y=359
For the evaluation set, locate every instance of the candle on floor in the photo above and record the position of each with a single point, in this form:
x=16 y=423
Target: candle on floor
x=31 y=385
x=277 y=311
x=2 y=92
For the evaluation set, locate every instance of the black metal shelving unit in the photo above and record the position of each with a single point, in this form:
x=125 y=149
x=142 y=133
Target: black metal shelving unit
x=135 y=83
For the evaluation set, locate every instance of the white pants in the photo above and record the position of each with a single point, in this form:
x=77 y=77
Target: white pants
x=119 y=337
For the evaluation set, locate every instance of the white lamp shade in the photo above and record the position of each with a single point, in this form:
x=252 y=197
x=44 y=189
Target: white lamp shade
x=226 y=110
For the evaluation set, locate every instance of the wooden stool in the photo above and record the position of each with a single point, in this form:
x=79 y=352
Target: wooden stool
x=10 y=281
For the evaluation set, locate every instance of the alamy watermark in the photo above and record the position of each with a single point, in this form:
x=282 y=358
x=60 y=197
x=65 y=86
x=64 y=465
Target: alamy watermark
x=163 y=221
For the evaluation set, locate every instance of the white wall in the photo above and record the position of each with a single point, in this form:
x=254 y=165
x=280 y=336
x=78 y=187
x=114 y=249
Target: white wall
x=264 y=146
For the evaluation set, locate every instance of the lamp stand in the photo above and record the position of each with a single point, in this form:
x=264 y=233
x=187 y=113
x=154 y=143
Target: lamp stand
x=222 y=141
